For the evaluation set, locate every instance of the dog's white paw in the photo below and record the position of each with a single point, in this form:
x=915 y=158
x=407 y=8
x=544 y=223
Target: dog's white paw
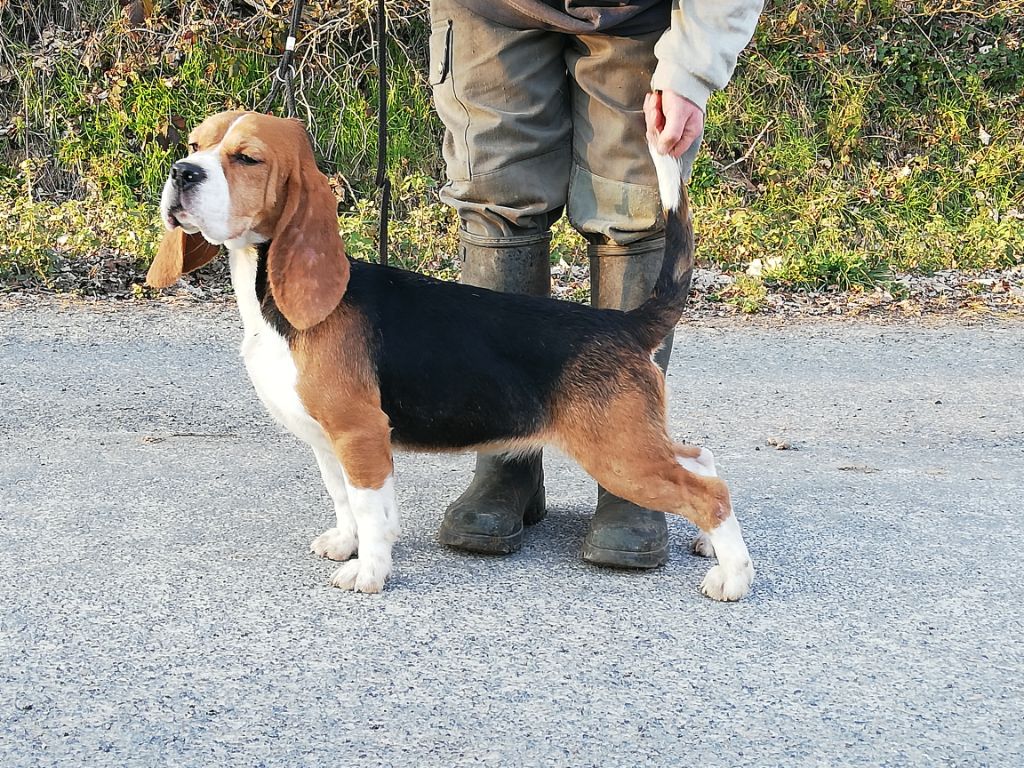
x=702 y=545
x=728 y=585
x=335 y=544
x=363 y=574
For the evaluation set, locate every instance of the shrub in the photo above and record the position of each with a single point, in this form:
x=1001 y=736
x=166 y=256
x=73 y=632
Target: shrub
x=857 y=138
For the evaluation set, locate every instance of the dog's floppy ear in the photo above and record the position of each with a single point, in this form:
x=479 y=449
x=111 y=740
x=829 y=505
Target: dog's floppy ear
x=179 y=253
x=306 y=263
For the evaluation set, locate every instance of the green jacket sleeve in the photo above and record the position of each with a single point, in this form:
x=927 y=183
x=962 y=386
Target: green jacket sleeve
x=697 y=54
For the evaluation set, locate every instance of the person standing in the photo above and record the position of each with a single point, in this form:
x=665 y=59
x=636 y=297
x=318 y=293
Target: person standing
x=547 y=107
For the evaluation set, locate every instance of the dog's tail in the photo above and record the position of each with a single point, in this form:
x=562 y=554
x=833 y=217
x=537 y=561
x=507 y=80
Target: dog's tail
x=653 y=319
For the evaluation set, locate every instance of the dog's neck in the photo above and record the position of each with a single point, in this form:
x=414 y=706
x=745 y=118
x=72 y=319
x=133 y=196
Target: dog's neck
x=251 y=283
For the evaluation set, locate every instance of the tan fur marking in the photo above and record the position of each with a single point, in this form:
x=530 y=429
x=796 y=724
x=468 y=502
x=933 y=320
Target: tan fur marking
x=338 y=388
x=289 y=201
x=364 y=449
x=610 y=417
x=212 y=129
x=179 y=253
x=284 y=198
x=687 y=451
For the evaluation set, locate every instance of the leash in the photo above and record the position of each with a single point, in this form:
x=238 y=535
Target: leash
x=383 y=182
x=285 y=74
x=284 y=77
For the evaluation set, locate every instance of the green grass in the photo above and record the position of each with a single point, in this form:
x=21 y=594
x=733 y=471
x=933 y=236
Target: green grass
x=871 y=157
x=859 y=138
x=748 y=294
x=40 y=235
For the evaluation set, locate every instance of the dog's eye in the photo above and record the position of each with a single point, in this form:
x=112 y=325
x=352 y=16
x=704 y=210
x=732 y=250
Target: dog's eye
x=244 y=159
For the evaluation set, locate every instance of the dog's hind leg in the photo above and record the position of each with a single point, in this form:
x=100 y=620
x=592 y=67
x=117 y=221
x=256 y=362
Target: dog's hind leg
x=731 y=578
x=672 y=485
x=627 y=451
x=341 y=541
x=701 y=461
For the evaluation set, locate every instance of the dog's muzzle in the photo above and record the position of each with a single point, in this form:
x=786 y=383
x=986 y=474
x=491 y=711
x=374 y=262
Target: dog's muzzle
x=185 y=175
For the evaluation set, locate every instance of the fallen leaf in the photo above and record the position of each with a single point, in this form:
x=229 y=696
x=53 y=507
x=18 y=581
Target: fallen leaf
x=135 y=12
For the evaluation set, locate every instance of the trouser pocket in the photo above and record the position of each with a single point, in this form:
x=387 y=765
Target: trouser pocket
x=450 y=109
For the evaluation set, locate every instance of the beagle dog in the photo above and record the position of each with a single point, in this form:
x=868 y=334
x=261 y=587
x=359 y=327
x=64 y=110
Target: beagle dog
x=355 y=358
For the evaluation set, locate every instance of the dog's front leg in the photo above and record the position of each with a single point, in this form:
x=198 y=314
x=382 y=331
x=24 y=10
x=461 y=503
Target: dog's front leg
x=339 y=542
x=367 y=470
x=376 y=517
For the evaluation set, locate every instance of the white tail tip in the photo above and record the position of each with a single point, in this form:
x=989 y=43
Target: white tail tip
x=670 y=178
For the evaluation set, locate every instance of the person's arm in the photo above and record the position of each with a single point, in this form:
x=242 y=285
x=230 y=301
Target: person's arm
x=696 y=55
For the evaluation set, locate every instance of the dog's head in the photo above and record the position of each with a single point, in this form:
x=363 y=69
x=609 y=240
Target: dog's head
x=250 y=179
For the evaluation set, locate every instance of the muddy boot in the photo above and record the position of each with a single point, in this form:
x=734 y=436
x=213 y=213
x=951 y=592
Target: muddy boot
x=489 y=516
x=622 y=534
x=505 y=493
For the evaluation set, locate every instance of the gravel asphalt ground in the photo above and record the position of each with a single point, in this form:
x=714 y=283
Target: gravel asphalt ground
x=159 y=606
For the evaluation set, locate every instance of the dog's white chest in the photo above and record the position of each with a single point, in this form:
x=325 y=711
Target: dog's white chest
x=267 y=356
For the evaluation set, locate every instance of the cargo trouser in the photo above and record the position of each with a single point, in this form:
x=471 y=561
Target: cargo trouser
x=539 y=122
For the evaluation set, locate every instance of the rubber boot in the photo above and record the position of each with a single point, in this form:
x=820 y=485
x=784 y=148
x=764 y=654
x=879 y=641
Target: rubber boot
x=622 y=534
x=506 y=493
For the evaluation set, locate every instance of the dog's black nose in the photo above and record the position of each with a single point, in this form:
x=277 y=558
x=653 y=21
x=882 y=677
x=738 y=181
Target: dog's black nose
x=186 y=175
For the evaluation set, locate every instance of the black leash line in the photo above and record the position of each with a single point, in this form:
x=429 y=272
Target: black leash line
x=284 y=77
x=285 y=73
x=383 y=182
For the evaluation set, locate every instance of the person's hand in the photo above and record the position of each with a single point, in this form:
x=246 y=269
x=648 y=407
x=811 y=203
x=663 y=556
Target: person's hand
x=673 y=122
